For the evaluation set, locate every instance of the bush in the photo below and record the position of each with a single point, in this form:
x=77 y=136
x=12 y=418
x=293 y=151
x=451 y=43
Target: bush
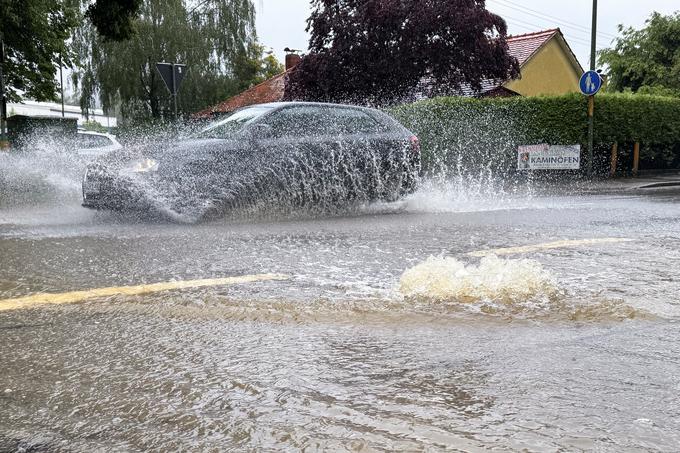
x=484 y=133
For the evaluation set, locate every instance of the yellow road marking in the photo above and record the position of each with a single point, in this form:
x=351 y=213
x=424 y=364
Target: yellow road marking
x=546 y=246
x=78 y=296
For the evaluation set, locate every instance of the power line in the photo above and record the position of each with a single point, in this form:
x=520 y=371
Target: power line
x=571 y=37
x=544 y=16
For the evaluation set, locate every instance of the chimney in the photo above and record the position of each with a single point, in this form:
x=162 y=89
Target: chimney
x=292 y=59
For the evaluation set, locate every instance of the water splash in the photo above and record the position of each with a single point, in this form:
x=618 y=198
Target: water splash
x=507 y=281
x=45 y=170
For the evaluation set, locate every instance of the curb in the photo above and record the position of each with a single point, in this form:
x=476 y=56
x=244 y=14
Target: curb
x=659 y=184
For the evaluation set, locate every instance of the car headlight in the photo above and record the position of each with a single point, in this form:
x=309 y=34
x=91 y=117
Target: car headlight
x=144 y=166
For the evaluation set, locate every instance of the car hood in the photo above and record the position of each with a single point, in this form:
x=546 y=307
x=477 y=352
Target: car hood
x=173 y=154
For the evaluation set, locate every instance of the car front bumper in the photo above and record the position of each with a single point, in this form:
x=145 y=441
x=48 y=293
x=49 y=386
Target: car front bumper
x=104 y=190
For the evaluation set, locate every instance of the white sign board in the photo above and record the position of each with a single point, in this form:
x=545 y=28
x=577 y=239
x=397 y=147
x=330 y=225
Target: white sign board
x=549 y=157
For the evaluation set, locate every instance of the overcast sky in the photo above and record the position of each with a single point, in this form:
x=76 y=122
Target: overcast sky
x=281 y=23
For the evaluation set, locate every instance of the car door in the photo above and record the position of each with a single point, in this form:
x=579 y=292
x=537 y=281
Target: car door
x=299 y=155
x=372 y=154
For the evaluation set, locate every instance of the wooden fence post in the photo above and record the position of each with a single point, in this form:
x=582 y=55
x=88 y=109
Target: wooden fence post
x=636 y=158
x=615 y=158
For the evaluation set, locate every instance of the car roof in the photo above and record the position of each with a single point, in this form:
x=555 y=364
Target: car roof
x=101 y=134
x=283 y=104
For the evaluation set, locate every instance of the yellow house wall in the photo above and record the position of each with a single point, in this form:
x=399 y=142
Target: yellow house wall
x=550 y=71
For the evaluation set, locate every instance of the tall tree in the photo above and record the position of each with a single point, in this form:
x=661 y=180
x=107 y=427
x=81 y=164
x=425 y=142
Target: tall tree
x=378 y=50
x=34 y=34
x=113 y=18
x=646 y=60
x=214 y=38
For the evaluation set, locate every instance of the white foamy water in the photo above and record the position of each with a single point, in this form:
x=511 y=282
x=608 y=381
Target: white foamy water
x=445 y=279
x=45 y=171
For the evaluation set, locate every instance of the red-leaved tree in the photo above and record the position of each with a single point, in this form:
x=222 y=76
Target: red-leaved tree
x=379 y=51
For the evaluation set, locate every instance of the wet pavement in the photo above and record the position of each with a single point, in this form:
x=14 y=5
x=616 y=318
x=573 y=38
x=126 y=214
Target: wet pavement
x=384 y=333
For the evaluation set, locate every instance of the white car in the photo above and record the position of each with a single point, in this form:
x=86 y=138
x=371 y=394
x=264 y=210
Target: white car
x=94 y=144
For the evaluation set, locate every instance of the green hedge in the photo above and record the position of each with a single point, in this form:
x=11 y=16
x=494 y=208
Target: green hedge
x=485 y=133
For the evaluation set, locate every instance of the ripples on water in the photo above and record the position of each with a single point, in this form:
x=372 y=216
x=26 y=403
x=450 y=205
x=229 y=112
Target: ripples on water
x=212 y=381
x=365 y=349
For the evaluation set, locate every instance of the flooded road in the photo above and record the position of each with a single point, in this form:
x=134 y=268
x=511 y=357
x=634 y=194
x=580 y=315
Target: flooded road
x=384 y=331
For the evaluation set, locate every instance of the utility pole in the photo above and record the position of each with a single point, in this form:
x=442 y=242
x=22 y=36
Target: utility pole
x=591 y=98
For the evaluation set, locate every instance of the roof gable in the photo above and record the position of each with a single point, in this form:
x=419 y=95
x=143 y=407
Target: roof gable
x=523 y=47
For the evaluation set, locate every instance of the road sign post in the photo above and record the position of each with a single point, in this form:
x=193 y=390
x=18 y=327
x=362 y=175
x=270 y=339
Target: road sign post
x=173 y=75
x=593 y=83
x=590 y=84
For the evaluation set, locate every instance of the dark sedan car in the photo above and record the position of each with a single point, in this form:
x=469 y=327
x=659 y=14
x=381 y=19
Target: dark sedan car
x=293 y=152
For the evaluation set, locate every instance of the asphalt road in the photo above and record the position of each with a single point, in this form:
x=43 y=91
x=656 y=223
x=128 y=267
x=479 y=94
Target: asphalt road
x=375 y=329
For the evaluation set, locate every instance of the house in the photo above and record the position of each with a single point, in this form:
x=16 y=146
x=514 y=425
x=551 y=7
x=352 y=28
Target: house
x=547 y=66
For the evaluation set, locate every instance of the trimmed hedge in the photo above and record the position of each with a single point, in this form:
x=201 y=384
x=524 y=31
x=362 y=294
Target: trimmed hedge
x=485 y=133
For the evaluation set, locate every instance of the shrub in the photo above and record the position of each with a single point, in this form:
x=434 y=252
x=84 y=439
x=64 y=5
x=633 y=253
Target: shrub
x=484 y=133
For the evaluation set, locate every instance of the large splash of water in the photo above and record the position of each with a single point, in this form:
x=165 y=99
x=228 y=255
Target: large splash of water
x=508 y=281
x=45 y=171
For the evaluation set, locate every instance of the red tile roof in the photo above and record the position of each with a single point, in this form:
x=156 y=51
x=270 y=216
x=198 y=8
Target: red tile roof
x=522 y=47
x=271 y=90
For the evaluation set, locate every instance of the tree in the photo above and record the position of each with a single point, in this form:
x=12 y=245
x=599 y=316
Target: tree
x=113 y=18
x=255 y=66
x=646 y=60
x=377 y=51
x=216 y=40
x=34 y=34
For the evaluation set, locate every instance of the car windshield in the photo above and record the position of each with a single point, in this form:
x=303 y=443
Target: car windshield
x=234 y=123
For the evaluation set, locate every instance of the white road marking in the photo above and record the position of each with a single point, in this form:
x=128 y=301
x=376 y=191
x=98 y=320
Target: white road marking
x=78 y=296
x=547 y=246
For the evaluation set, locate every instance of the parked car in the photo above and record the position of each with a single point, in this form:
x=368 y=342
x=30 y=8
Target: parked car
x=294 y=151
x=95 y=144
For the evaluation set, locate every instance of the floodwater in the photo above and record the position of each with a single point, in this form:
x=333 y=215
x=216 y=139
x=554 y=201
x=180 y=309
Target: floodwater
x=385 y=334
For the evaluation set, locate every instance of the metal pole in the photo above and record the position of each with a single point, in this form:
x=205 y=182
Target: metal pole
x=3 y=113
x=591 y=99
x=61 y=84
x=174 y=90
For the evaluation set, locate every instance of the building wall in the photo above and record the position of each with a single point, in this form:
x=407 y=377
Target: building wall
x=550 y=71
x=34 y=108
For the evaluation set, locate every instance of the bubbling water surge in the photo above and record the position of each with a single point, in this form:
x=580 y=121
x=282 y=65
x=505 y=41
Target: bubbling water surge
x=508 y=281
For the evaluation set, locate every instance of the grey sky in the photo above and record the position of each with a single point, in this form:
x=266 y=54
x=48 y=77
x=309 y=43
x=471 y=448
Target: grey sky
x=281 y=23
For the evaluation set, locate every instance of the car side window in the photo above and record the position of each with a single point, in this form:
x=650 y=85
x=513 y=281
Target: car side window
x=354 y=121
x=93 y=141
x=303 y=121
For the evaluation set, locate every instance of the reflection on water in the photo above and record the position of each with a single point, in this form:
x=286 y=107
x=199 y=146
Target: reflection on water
x=166 y=382
x=367 y=348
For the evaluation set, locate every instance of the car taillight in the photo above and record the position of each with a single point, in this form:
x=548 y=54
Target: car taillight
x=415 y=144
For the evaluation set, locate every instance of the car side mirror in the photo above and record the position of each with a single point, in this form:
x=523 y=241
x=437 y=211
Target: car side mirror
x=259 y=131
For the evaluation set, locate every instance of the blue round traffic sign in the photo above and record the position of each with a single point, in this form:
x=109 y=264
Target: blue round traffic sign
x=590 y=83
